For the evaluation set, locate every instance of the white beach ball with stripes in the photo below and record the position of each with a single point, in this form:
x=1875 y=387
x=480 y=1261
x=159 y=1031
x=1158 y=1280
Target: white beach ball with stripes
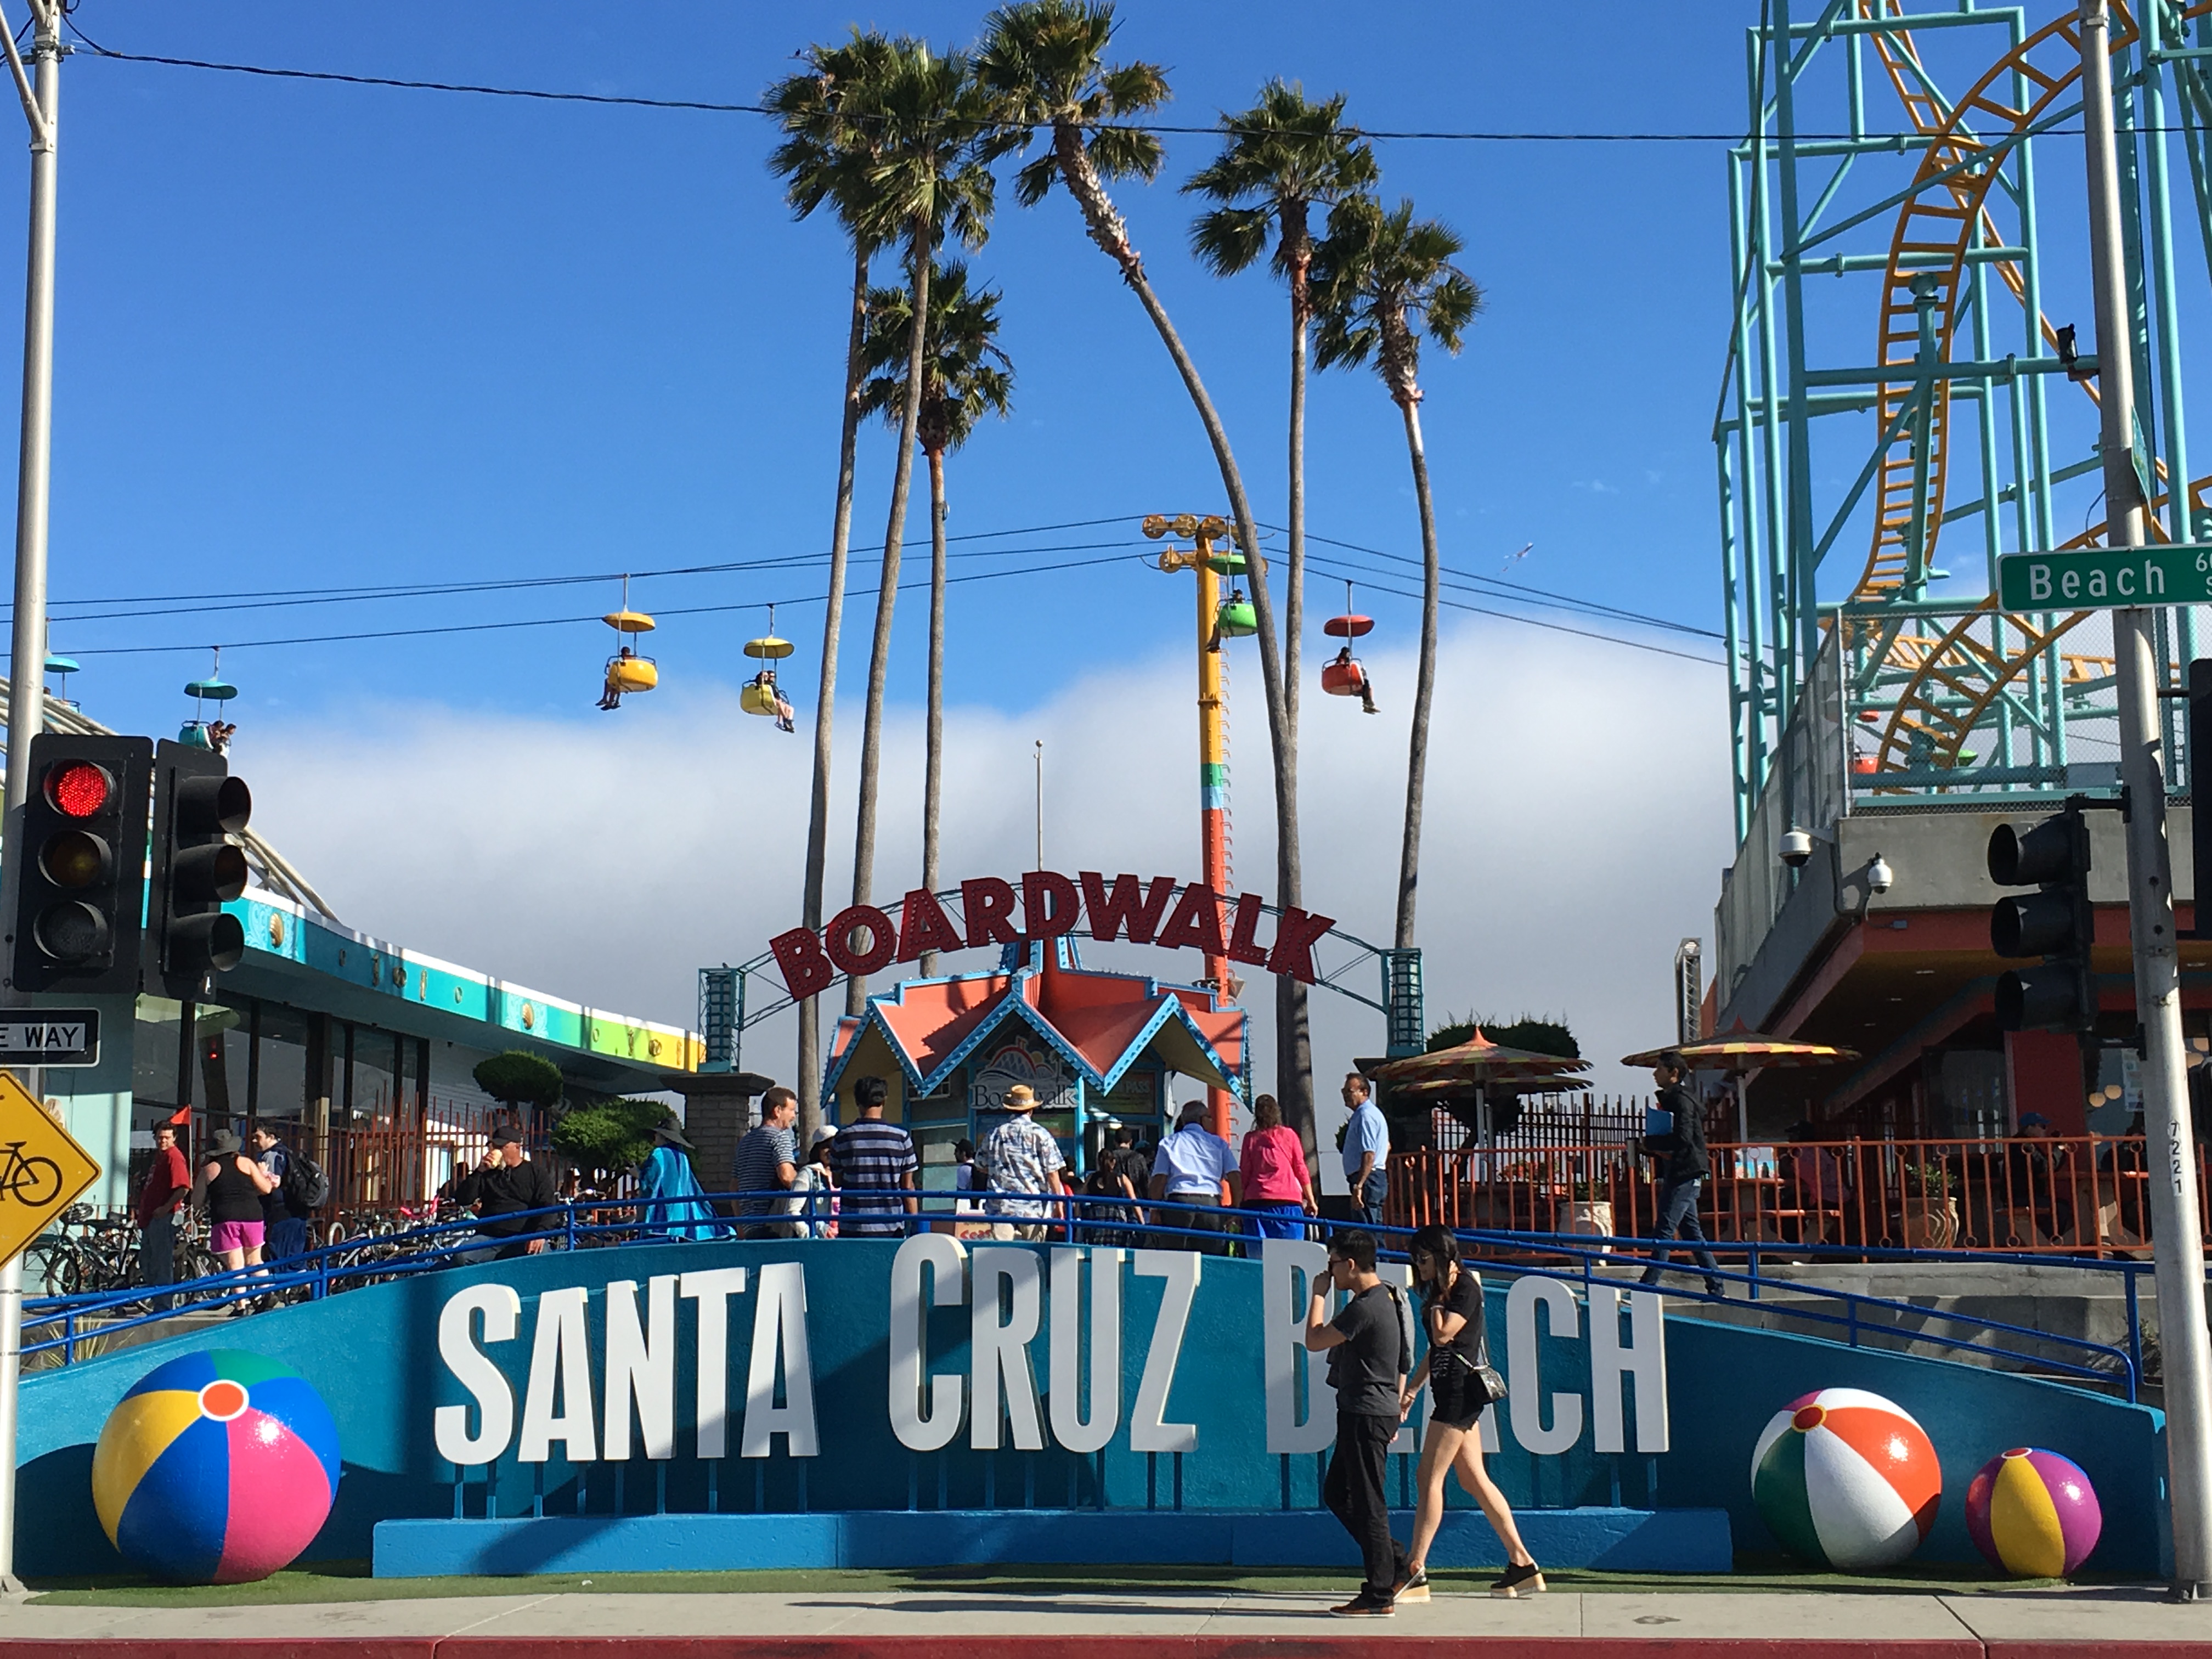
x=1846 y=1480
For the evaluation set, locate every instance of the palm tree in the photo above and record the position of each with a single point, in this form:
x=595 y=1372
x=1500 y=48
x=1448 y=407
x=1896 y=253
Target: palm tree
x=1283 y=157
x=1045 y=62
x=964 y=376
x=1382 y=279
x=937 y=136
x=828 y=149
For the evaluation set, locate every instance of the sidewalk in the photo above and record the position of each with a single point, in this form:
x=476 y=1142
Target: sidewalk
x=1178 y=1621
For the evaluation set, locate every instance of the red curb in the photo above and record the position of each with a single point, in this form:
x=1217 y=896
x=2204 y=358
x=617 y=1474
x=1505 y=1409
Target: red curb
x=1363 y=1642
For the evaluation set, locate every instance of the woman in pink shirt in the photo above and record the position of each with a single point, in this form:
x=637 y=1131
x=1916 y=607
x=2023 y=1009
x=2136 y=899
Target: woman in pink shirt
x=1276 y=1182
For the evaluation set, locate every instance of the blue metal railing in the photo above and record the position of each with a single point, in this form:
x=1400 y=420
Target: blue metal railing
x=58 y=1325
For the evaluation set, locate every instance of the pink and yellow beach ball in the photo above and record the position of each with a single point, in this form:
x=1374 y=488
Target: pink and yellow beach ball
x=217 y=1468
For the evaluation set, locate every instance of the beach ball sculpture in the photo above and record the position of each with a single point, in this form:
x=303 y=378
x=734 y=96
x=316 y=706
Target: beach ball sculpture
x=2034 y=1514
x=1846 y=1480
x=217 y=1468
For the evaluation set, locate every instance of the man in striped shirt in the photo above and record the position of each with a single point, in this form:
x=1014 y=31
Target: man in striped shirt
x=766 y=1160
x=870 y=1153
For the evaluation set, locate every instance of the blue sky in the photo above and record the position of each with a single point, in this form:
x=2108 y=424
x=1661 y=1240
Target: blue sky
x=313 y=335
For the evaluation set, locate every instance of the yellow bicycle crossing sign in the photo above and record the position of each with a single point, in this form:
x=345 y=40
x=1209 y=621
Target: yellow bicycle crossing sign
x=41 y=1168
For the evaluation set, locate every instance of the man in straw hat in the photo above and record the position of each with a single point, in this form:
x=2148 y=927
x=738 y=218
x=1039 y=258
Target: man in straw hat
x=1022 y=1159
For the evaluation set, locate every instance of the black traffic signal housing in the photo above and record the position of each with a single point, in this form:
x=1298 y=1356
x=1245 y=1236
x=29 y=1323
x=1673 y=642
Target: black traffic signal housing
x=80 y=886
x=196 y=866
x=2056 y=923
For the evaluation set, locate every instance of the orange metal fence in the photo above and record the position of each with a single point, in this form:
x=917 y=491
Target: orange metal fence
x=2080 y=1194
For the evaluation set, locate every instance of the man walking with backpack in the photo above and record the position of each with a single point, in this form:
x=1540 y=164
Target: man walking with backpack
x=1370 y=1346
x=1683 y=1167
x=283 y=1210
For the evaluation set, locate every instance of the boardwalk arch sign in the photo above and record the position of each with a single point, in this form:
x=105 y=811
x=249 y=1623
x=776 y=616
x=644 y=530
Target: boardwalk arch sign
x=1172 y=915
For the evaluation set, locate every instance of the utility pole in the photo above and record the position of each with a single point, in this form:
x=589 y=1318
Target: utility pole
x=2177 y=1245
x=27 y=662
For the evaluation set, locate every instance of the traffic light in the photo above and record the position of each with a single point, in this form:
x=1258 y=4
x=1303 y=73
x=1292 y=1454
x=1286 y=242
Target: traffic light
x=2054 y=922
x=197 y=807
x=81 y=884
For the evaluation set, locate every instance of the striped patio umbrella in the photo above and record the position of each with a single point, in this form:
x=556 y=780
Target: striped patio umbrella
x=1736 y=1054
x=1477 y=1060
x=1740 y=1051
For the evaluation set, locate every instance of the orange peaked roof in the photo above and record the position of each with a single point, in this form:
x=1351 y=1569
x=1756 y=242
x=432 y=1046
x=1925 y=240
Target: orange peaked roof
x=1100 y=1023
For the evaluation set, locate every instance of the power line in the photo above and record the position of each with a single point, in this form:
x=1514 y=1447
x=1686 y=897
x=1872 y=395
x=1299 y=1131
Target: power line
x=1534 y=622
x=1537 y=595
x=411 y=590
x=458 y=590
x=566 y=621
x=1217 y=129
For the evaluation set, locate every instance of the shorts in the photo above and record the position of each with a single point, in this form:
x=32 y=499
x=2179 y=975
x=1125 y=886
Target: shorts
x=1456 y=1397
x=235 y=1236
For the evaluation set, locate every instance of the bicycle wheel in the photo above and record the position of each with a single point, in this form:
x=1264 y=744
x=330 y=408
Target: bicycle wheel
x=37 y=1182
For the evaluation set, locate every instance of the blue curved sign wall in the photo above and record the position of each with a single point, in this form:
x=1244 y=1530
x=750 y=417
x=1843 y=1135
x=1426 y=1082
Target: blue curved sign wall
x=855 y=1375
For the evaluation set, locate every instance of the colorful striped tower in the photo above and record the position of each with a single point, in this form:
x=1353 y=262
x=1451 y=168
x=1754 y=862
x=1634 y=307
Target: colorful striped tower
x=1212 y=732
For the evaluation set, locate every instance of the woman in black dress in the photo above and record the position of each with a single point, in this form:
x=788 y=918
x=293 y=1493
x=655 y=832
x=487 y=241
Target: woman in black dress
x=1452 y=1314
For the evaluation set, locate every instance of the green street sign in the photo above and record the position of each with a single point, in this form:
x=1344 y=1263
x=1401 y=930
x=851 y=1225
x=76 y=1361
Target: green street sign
x=2105 y=579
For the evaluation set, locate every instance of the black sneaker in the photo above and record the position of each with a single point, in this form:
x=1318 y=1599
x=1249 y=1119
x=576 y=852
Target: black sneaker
x=1413 y=1585
x=1519 y=1582
x=1364 y=1606
x=1716 y=1289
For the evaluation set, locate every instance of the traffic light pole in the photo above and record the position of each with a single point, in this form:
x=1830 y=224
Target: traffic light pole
x=27 y=662
x=2176 y=1243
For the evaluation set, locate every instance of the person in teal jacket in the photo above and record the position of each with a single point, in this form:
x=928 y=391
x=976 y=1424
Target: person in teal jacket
x=683 y=1212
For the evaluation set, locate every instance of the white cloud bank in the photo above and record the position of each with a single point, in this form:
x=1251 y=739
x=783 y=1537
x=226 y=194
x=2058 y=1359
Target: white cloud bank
x=1577 y=821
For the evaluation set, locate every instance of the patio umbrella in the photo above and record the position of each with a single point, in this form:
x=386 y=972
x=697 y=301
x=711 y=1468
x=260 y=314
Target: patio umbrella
x=1476 y=1060
x=1734 y=1054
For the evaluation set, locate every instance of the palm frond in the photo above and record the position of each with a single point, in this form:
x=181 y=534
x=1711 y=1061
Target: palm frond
x=1035 y=180
x=1124 y=153
x=1229 y=239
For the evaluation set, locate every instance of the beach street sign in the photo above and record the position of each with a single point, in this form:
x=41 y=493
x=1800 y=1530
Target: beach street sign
x=2105 y=578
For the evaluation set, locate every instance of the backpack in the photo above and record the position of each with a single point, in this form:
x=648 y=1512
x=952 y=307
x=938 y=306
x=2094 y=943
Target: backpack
x=306 y=1187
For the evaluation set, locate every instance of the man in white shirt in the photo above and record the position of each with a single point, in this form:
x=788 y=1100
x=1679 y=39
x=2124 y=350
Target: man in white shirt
x=1193 y=1167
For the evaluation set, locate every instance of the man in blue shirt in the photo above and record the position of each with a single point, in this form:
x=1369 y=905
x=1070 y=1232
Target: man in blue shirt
x=1366 y=1152
x=1194 y=1164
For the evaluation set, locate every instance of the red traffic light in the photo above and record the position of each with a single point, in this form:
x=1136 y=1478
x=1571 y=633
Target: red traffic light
x=78 y=789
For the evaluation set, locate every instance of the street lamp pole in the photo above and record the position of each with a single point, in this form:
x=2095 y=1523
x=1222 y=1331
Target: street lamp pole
x=41 y=92
x=2177 y=1245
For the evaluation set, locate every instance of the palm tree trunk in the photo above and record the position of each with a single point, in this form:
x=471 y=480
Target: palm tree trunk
x=1110 y=232
x=880 y=657
x=1425 y=682
x=933 y=765
x=1293 y=1031
x=817 y=813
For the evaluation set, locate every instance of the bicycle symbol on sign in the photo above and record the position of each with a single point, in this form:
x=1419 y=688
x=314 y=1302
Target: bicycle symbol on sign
x=33 y=1181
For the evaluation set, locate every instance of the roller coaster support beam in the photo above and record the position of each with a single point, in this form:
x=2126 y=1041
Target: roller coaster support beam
x=2179 y=1249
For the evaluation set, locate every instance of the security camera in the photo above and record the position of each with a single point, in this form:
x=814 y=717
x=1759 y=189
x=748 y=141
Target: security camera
x=1796 y=849
x=1879 y=877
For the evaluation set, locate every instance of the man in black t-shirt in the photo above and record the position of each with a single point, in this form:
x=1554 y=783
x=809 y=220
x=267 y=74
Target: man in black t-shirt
x=502 y=1187
x=1369 y=1348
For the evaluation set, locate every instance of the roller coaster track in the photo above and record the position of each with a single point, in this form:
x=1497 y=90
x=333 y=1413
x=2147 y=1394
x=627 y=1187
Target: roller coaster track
x=1935 y=228
x=1956 y=678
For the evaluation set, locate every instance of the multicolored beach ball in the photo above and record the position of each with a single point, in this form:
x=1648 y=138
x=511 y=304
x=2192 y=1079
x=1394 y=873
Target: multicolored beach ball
x=218 y=1468
x=2033 y=1513
x=1846 y=1480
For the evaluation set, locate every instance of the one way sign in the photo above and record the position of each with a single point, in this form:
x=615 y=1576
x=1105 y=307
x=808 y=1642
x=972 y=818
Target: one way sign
x=50 y=1037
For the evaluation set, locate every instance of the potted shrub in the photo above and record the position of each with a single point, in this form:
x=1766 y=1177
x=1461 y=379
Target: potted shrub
x=1930 y=1214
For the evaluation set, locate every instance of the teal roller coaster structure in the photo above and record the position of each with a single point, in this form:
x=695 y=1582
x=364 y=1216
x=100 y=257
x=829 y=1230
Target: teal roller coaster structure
x=1909 y=162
